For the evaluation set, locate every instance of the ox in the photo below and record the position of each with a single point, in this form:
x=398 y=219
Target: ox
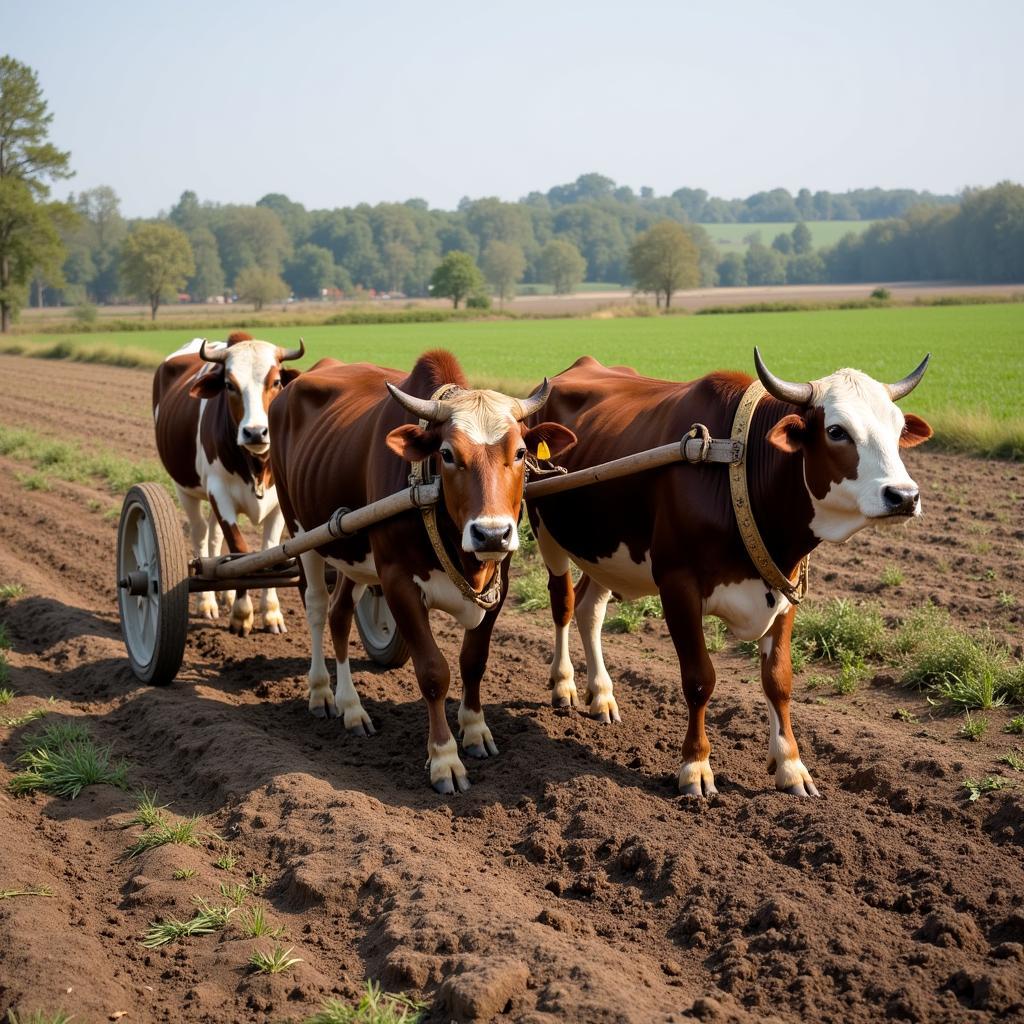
x=210 y=407
x=822 y=461
x=341 y=440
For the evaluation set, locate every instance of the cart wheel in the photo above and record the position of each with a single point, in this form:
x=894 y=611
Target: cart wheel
x=378 y=630
x=152 y=574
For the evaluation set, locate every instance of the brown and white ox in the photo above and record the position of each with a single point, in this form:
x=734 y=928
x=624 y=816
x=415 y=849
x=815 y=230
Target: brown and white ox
x=210 y=405
x=341 y=440
x=822 y=462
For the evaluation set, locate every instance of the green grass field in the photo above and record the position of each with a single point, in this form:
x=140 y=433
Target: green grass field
x=976 y=370
x=730 y=237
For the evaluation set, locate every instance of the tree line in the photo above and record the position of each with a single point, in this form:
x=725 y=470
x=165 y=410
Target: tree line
x=85 y=250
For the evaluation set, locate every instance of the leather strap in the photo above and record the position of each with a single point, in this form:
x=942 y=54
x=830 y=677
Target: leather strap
x=491 y=594
x=793 y=590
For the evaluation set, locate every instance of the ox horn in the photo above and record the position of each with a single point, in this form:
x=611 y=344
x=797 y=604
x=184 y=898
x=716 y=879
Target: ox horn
x=424 y=408
x=534 y=402
x=783 y=390
x=218 y=355
x=905 y=386
x=284 y=354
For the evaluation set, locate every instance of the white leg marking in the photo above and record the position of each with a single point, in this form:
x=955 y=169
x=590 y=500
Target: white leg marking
x=346 y=699
x=242 y=617
x=790 y=773
x=321 y=700
x=446 y=770
x=696 y=778
x=270 y=608
x=476 y=737
x=216 y=545
x=589 y=618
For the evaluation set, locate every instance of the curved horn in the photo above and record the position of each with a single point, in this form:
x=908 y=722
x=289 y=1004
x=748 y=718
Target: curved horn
x=284 y=354
x=905 y=386
x=218 y=355
x=424 y=408
x=535 y=402
x=783 y=390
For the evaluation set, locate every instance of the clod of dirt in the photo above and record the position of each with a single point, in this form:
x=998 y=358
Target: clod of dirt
x=946 y=928
x=483 y=990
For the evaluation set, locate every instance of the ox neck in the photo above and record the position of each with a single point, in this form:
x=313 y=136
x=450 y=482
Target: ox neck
x=479 y=575
x=778 y=491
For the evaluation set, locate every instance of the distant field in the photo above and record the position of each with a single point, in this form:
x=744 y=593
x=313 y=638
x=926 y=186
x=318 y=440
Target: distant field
x=976 y=362
x=730 y=237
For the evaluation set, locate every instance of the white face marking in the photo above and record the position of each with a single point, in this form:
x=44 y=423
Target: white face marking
x=439 y=592
x=485 y=417
x=621 y=573
x=862 y=407
x=247 y=366
x=744 y=607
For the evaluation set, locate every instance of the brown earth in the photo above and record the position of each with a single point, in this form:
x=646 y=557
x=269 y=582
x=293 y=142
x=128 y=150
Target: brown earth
x=571 y=882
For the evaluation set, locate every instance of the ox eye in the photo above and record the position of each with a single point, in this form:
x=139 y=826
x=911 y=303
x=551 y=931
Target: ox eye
x=447 y=457
x=230 y=386
x=837 y=433
x=520 y=455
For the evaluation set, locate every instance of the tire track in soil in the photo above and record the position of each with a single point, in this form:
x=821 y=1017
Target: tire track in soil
x=570 y=883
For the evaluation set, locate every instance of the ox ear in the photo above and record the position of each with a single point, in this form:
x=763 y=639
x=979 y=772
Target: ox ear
x=413 y=443
x=552 y=436
x=788 y=434
x=915 y=431
x=288 y=375
x=209 y=385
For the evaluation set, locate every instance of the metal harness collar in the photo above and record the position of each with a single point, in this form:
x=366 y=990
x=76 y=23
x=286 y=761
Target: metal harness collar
x=793 y=590
x=491 y=595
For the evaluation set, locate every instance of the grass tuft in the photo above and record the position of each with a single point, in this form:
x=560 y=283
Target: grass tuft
x=63 y=760
x=892 y=576
x=6 y=695
x=375 y=1007
x=147 y=813
x=1015 y=726
x=182 y=833
x=205 y=921
x=255 y=924
x=235 y=894
x=39 y=1017
x=714 y=634
x=183 y=874
x=530 y=589
x=630 y=614
x=226 y=861
x=1014 y=758
x=277 y=961
x=827 y=631
x=973 y=728
x=10 y=592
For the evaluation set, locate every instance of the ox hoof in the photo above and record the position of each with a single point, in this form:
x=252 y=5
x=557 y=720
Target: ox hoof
x=276 y=627
x=273 y=622
x=563 y=693
x=603 y=708
x=696 y=779
x=802 y=789
x=363 y=727
x=446 y=785
x=485 y=748
x=447 y=772
x=325 y=709
x=700 y=790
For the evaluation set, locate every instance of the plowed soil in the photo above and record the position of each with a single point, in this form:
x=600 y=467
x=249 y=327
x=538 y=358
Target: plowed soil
x=571 y=883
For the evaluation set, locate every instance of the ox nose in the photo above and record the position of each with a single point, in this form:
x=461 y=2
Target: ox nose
x=490 y=538
x=255 y=435
x=901 y=500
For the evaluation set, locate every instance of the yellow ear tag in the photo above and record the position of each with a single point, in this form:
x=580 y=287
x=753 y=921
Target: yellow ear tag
x=543 y=451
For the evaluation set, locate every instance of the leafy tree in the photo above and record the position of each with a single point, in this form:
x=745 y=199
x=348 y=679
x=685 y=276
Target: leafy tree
x=664 y=260
x=101 y=230
x=399 y=263
x=156 y=262
x=503 y=265
x=764 y=266
x=256 y=285
x=561 y=265
x=732 y=271
x=250 y=235
x=783 y=243
x=29 y=237
x=801 y=235
x=208 y=279
x=293 y=216
x=310 y=270
x=805 y=268
x=456 y=277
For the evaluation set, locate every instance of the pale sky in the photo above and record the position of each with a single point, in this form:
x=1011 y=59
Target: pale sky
x=339 y=103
